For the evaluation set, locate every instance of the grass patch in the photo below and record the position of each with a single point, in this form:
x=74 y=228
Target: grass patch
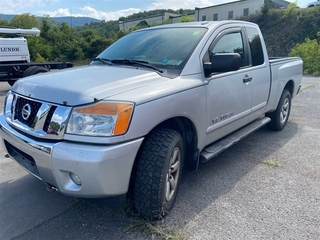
x=79 y=204
x=312 y=85
x=154 y=230
x=137 y=224
x=126 y=210
x=272 y=163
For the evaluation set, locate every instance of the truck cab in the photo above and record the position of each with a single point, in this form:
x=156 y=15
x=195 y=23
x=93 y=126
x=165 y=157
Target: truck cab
x=14 y=47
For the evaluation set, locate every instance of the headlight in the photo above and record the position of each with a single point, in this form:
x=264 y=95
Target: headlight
x=8 y=104
x=101 y=119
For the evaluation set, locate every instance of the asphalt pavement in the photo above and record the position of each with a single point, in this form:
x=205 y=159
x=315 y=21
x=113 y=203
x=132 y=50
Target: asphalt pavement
x=238 y=195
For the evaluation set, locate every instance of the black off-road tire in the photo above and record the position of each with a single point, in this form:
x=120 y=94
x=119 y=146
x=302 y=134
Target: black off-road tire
x=34 y=70
x=160 y=163
x=280 y=116
x=30 y=71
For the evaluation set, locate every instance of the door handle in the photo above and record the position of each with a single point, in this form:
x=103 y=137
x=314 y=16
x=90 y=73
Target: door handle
x=247 y=79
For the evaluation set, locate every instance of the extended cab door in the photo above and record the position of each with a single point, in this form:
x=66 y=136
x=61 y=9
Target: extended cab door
x=260 y=72
x=229 y=94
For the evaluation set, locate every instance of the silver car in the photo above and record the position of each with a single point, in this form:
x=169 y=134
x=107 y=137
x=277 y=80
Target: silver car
x=313 y=4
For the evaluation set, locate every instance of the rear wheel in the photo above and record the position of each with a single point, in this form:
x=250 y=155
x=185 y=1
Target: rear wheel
x=158 y=172
x=34 y=70
x=31 y=71
x=280 y=116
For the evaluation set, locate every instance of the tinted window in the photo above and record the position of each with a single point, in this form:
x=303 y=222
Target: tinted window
x=255 y=46
x=230 y=43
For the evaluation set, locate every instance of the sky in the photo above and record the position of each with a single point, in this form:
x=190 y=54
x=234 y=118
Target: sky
x=104 y=9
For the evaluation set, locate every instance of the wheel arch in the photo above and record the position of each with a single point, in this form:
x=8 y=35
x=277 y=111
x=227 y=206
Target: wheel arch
x=289 y=86
x=189 y=135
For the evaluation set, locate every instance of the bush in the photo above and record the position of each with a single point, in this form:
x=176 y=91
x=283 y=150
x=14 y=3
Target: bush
x=309 y=51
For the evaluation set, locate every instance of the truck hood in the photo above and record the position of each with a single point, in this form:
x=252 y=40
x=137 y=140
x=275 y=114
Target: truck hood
x=84 y=84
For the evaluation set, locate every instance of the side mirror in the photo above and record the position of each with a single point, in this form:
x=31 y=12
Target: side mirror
x=223 y=62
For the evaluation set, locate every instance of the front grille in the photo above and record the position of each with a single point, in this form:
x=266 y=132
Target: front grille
x=36 y=118
x=49 y=118
x=20 y=105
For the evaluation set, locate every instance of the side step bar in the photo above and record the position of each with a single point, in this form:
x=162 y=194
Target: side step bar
x=217 y=147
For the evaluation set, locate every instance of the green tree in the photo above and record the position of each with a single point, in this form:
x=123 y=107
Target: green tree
x=291 y=9
x=186 y=18
x=25 y=21
x=4 y=22
x=46 y=24
x=265 y=7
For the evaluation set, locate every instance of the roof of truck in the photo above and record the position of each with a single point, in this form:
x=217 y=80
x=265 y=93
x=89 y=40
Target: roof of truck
x=19 y=31
x=207 y=24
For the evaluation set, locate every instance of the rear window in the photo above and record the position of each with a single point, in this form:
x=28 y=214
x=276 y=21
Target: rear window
x=255 y=46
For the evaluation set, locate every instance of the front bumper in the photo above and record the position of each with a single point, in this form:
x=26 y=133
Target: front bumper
x=104 y=170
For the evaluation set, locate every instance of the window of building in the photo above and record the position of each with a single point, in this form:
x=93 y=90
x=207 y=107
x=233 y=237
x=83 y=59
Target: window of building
x=230 y=15
x=246 y=12
x=204 y=18
x=215 y=17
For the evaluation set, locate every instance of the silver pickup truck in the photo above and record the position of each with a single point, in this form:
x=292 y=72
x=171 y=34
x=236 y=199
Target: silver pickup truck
x=157 y=100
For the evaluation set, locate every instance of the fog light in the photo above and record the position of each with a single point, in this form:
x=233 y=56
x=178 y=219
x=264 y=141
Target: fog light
x=75 y=178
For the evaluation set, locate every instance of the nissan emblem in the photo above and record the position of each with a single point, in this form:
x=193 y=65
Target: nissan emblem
x=26 y=111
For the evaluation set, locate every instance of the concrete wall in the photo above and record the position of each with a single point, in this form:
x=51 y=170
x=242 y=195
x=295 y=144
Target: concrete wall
x=237 y=7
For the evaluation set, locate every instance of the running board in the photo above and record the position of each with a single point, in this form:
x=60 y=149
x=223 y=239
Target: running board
x=226 y=142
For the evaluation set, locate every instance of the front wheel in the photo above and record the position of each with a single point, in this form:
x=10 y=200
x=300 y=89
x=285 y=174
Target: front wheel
x=158 y=173
x=280 y=116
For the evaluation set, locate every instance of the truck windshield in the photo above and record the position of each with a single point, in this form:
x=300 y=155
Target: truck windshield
x=164 y=48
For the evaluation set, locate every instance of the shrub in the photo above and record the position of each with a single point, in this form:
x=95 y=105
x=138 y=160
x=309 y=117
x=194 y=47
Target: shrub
x=309 y=51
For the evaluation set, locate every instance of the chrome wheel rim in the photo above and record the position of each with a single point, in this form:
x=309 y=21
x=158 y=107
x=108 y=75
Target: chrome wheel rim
x=284 y=111
x=173 y=174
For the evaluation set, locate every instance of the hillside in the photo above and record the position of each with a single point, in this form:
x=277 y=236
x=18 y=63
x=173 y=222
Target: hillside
x=72 y=21
x=283 y=29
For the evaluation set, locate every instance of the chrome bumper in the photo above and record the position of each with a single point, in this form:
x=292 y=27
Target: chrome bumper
x=104 y=170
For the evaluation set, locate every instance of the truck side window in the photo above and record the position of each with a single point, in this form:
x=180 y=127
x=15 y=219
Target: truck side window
x=229 y=43
x=255 y=46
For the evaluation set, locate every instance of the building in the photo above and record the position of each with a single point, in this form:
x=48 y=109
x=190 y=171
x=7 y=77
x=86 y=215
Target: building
x=225 y=11
x=234 y=10
x=148 y=21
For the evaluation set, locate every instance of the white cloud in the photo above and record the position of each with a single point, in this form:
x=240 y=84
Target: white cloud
x=178 y=4
x=56 y=118
x=88 y=11
x=18 y=6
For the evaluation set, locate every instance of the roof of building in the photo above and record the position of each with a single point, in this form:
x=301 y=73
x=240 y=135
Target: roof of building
x=279 y=2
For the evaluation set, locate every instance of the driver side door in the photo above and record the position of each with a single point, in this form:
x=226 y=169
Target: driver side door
x=229 y=94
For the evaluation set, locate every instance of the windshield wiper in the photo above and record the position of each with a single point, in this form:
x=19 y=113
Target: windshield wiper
x=103 y=60
x=137 y=62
